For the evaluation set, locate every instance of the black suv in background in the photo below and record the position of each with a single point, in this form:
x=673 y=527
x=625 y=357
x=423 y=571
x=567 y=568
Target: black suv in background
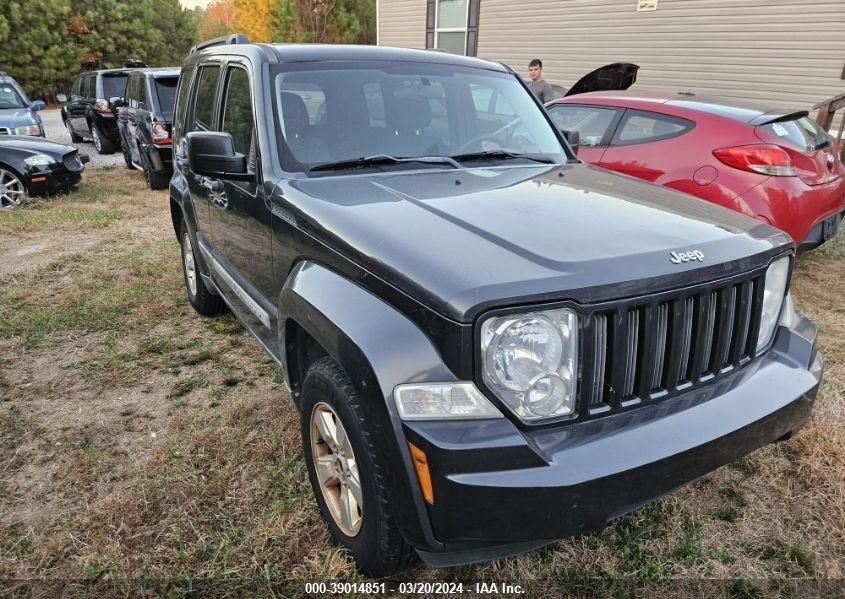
x=89 y=114
x=491 y=344
x=143 y=120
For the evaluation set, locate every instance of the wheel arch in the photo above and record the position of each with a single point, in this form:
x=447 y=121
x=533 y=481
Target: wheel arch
x=324 y=313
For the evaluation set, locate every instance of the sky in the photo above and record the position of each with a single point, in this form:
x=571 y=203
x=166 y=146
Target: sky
x=194 y=3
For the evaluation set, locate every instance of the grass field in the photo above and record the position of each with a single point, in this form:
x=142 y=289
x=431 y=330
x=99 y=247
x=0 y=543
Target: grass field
x=140 y=440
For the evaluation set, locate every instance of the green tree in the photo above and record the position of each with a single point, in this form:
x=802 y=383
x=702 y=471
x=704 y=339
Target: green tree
x=159 y=32
x=37 y=48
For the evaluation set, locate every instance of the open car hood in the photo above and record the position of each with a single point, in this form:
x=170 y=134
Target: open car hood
x=611 y=77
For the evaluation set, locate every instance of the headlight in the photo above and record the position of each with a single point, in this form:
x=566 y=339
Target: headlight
x=776 y=278
x=442 y=401
x=28 y=130
x=39 y=160
x=529 y=361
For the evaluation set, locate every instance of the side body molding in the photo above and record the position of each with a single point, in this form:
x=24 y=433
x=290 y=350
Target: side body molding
x=378 y=347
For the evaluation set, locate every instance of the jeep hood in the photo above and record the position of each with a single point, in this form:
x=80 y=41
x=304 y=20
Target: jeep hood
x=462 y=241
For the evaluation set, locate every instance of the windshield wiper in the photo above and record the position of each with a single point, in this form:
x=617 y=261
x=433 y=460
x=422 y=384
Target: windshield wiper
x=377 y=159
x=500 y=154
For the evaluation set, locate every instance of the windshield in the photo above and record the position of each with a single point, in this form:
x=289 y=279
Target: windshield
x=114 y=85
x=331 y=113
x=166 y=90
x=10 y=98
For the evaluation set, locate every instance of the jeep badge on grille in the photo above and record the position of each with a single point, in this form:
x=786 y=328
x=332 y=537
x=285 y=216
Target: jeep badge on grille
x=677 y=258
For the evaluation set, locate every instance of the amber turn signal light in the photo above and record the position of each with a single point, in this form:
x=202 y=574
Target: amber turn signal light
x=423 y=475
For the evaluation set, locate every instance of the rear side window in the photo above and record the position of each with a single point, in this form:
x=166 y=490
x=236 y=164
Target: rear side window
x=165 y=89
x=237 y=111
x=182 y=100
x=802 y=133
x=205 y=98
x=641 y=127
x=591 y=122
x=88 y=87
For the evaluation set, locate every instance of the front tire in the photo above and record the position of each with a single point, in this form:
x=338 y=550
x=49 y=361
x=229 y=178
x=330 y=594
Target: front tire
x=12 y=189
x=346 y=473
x=74 y=138
x=126 y=157
x=201 y=298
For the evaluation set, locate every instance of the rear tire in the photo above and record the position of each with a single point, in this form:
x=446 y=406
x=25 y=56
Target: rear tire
x=103 y=144
x=153 y=179
x=201 y=298
x=375 y=543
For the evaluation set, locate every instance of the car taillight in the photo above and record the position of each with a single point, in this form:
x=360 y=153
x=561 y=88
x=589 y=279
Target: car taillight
x=161 y=134
x=102 y=106
x=766 y=159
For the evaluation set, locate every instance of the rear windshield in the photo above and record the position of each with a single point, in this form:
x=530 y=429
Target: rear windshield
x=166 y=90
x=114 y=85
x=802 y=133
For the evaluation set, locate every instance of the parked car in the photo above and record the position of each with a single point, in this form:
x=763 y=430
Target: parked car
x=33 y=167
x=89 y=113
x=491 y=344
x=776 y=165
x=144 y=119
x=18 y=114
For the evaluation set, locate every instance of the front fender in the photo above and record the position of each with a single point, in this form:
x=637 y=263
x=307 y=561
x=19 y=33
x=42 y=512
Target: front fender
x=378 y=348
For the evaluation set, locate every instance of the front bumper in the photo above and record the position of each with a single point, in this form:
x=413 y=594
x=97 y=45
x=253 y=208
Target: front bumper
x=52 y=179
x=500 y=491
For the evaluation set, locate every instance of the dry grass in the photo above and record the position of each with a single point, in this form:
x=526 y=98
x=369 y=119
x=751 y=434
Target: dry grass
x=139 y=440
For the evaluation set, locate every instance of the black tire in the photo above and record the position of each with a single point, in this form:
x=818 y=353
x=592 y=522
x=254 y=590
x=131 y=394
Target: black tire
x=126 y=157
x=103 y=144
x=377 y=547
x=153 y=179
x=74 y=138
x=201 y=298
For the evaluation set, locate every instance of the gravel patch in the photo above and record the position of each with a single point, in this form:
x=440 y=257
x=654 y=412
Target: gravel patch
x=54 y=129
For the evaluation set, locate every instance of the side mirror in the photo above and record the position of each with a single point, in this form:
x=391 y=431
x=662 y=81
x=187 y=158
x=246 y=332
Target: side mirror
x=573 y=138
x=61 y=98
x=212 y=154
x=38 y=105
x=117 y=102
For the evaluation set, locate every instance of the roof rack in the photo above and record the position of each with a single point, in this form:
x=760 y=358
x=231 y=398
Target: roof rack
x=3 y=74
x=235 y=38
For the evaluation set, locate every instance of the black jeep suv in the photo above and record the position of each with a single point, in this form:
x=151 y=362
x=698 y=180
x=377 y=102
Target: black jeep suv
x=89 y=113
x=491 y=344
x=144 y=120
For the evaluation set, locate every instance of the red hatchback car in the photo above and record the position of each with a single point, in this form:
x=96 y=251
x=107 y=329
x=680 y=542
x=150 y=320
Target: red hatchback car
x=775 y=165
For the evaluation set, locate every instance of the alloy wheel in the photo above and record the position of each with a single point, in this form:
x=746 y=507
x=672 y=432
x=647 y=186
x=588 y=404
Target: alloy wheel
x=95 y=135
x=12 y=191
x=336 y=469
x=190 y=265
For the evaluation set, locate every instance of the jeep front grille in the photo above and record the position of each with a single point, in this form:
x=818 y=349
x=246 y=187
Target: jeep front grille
x=650 y=348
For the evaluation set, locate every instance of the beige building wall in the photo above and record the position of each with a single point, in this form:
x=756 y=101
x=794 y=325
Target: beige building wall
x=785 y=52
x=402 y=23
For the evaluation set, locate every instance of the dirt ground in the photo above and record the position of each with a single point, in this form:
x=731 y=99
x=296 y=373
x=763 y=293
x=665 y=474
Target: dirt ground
x=140 y=441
